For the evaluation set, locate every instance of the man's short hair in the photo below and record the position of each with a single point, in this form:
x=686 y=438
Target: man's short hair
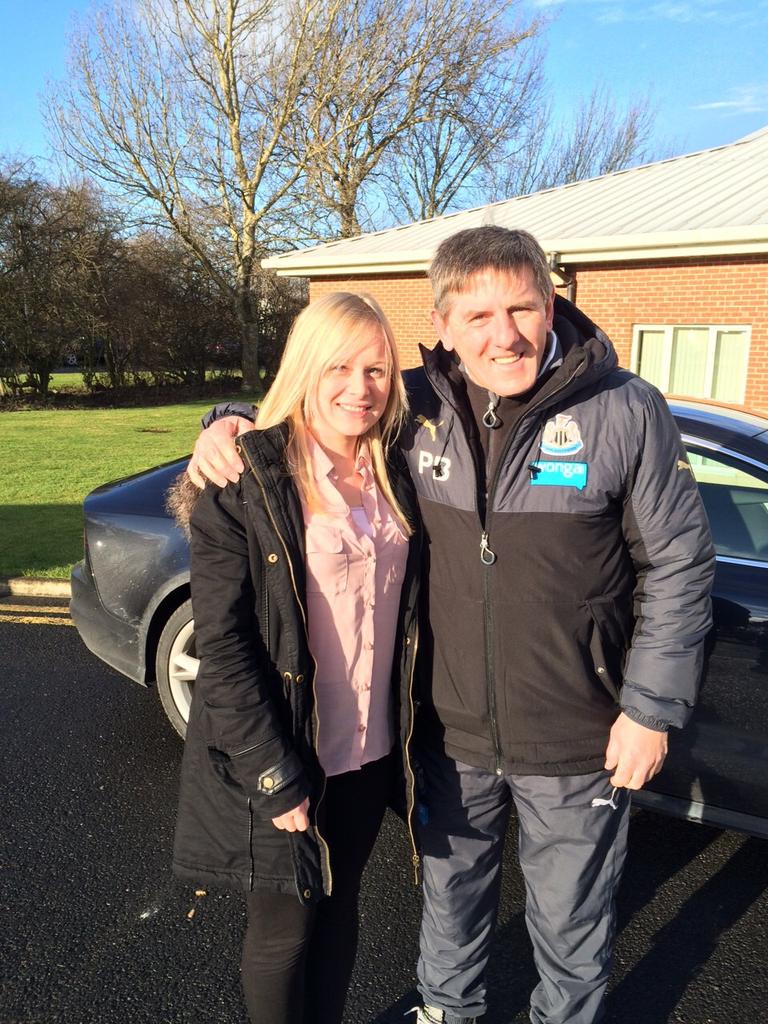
x=474 y=250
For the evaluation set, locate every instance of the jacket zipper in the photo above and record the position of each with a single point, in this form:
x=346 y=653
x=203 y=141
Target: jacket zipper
x=250 y=845
x=488 y=557
x=248 y=750
x=323 y=844
x=415 y=858
x=265 y=609
x=489 y=672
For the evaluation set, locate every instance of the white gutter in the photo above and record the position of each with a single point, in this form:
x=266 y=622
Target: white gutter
x=351 y=257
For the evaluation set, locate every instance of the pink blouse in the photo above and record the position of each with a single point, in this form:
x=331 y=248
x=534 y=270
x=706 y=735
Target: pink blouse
x=353 y=596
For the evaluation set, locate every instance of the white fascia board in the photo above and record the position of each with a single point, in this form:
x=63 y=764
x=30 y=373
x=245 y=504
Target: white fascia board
x=293 y=264
x=666 y=245
x=596 y=249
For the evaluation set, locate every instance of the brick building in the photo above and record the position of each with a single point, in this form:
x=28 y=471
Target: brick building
x=671 y=259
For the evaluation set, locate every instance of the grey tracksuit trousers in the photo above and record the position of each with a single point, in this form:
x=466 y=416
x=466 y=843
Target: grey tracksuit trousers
x=571 y=855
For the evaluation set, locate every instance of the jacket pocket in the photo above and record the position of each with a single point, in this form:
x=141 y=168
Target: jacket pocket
x=608 y=644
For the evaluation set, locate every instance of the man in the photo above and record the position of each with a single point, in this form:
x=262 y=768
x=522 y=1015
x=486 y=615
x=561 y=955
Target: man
x=569 y=566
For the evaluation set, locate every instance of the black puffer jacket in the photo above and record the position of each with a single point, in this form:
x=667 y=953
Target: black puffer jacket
x=250 y=753
x=571 y=580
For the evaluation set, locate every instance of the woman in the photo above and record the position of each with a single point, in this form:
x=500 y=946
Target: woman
x=302 y=624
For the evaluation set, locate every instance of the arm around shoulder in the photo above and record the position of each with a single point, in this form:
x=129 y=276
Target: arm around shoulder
x=215 y=456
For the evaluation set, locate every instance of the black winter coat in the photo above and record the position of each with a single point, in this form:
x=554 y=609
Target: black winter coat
x=570 y=581
x=250 y=752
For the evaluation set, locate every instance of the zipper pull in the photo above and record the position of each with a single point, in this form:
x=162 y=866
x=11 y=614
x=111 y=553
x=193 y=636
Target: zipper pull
x=416 y=864
x=490 y=419
x=487 y=557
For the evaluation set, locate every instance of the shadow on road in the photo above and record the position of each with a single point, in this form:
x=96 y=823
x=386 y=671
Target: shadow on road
x=654 y=985
x=667 y=934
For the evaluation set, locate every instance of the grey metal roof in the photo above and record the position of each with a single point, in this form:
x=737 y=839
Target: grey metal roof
x=712 y=201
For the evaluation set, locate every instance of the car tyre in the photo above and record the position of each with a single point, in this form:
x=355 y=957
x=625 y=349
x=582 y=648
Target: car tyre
x=176 y=666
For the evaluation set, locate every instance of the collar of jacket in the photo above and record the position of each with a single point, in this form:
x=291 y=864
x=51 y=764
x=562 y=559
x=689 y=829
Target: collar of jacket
x=264 y=456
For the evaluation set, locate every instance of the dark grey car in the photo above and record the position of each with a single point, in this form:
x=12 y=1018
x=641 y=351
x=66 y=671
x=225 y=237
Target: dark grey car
x=131 y=605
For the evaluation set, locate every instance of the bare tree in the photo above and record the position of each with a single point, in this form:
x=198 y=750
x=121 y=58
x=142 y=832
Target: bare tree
x=604 y=139
x=55 y=243
x=166 y=312
x=432 y=168
x=244 y=125
x=599 y=138
x=184 y=107
x=429 y=77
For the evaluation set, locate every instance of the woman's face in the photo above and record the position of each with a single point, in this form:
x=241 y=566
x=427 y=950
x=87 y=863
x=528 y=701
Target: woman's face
x=352 y=394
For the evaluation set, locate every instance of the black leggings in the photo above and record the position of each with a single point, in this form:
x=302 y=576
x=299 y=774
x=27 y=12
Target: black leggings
x=297 y=960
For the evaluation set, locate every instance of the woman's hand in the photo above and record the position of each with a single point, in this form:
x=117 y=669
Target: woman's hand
x=296 y=820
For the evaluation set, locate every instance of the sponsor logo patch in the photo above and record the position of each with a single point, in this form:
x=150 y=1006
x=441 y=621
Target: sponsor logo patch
x=562 y=436
x=559 y=474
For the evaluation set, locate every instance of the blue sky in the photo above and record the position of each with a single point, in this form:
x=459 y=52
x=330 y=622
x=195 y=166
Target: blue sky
x=32 y=50
x=703 y=64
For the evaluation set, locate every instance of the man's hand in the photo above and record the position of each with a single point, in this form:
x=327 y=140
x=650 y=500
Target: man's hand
x=296 y=820
x=634 y=753
x=215 y=456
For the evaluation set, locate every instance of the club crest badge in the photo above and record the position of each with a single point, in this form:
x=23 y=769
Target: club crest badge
x=561 y=436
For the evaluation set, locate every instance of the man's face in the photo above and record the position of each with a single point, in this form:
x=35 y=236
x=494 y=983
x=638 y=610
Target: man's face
x=498 y=327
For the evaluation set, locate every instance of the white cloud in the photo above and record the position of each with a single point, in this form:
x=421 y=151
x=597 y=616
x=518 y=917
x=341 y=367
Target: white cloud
x=742 y=99
x=685 y=12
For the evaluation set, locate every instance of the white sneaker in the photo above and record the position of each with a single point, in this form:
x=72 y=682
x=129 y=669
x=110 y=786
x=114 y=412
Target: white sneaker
x=431 y=1015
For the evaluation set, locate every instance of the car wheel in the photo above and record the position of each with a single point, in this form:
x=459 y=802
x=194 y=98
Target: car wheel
x=176 y=666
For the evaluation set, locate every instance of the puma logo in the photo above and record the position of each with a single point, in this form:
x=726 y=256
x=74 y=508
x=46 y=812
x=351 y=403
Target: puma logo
x=682 y=464
x=430 y=426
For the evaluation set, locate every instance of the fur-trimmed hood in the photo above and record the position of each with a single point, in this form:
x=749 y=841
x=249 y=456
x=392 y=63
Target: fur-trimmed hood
x=181 y=498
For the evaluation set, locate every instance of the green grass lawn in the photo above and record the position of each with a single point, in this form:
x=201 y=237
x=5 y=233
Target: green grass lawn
x=51 y=459
x=68 y=382
x=71 y=382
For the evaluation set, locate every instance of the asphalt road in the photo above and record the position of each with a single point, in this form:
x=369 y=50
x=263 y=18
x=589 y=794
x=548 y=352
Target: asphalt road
x=96 y=931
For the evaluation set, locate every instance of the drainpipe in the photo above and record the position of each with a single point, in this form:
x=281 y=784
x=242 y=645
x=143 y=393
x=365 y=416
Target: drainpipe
x=556 y=267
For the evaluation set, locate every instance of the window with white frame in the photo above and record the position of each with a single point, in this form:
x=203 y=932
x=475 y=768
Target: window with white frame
x=697 y=361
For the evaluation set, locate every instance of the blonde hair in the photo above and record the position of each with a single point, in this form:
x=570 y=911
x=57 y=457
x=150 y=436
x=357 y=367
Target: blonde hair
x=326 y=332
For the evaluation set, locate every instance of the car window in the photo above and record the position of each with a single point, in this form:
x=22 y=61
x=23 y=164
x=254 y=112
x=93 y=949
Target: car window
x=736 y=499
